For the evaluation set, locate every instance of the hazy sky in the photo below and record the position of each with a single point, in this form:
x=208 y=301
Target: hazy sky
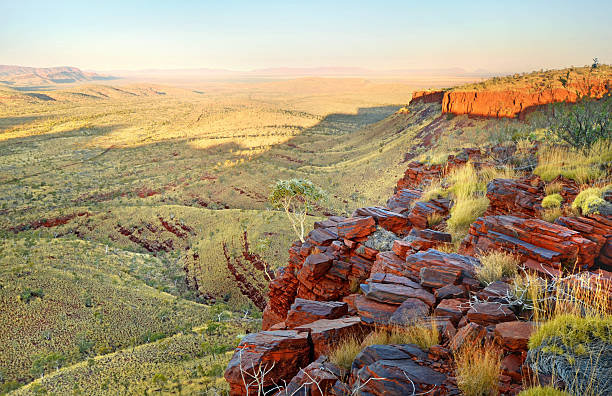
x=496 y=35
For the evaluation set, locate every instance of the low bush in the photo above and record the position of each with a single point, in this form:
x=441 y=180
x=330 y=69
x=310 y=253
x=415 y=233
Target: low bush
x=552 y=201
x=496 y=265
x=553 y=188
x=574 y=332
x=543 y=391
x=590 y=201
x=477 y=369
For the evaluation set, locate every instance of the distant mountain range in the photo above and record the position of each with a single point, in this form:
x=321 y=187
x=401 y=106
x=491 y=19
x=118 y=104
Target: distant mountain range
x=21 y=75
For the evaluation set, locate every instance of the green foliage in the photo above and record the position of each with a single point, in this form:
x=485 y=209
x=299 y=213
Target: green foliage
x=45 y=363
x=543 y=391
x=573 y=332
x=590 y=201
x=297 y=197
x=552 y=201
x=581 y=124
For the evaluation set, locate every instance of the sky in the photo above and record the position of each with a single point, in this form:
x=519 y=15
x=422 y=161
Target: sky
x=497 y=36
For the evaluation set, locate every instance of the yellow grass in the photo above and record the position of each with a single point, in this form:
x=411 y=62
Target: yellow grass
x=477 y=369
x=495 y=266
x=582 y=166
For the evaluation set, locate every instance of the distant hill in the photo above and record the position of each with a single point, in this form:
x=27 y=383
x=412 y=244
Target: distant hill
x=21 y=75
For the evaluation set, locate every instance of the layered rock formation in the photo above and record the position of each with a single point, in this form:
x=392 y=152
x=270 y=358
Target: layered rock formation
x=515 y=103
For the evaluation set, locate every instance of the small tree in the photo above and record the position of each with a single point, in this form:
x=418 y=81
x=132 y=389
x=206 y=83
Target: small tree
x=583 y=123
x=297 y=197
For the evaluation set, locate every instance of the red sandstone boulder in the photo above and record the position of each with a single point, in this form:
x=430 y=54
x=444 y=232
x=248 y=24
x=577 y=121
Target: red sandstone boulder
x=316 y=379
x=515 y=197
x=403 y=200
x=326 y=333
x=448 y=262
x=412 y=310
x=282 y=352
x=595 y=228
x=419 y=240
x=450 y=291
x=393 y=293
x=356 y=227
x=392 y=370
x=471 y=332
x=514 y=335
x=373 y=312
x=453 y=309
x=307 y=311
x=437 y=277
x=315 y=266
x=390 y=221
x=490 y=313
x=422 y=211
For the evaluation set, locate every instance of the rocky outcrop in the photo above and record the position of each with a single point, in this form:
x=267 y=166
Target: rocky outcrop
x=597 y=229
x=543 y=247
x=514 y=103
x=427 y=97
x=307 y=311
x=281 y=352
x=326 y=333
x=393 y=370
x=521 y=198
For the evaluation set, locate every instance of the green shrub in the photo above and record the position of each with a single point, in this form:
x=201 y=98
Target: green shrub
x=543 y=391
x=573 y=331
x=590 y=201
x=552 y=201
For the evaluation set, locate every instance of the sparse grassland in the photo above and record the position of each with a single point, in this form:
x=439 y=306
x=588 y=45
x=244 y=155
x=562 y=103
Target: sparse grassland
x=76 y=299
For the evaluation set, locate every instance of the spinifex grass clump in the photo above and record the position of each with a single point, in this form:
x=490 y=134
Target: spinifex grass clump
x=495 y=266
x=552 y=201
x=583 y=166
x=477 y=369
x=590 y=201
x=468 y=187
x=423 y=334
x=543 y=391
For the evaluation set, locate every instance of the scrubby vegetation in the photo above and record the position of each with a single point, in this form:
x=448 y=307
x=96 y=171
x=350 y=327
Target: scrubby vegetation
x=543 y=391
x=478 y=369
x=495 y=266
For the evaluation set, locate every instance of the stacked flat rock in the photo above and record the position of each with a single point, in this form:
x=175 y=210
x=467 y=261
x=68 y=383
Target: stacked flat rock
x=520 y=198
x=541 y=246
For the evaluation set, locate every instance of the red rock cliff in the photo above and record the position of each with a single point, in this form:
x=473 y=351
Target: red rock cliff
x=513 y=103
x=427 y=97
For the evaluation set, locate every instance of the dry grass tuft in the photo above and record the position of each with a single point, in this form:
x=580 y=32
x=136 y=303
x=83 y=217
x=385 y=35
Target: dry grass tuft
x=581 y=166
x=477 y=369
x=553 y=188
x=551 y=215
x=346 y=351
x=434 y=219
x=496 y=265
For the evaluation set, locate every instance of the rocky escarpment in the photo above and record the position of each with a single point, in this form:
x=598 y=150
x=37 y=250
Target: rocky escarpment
x=427 y=97
x=383 y=266
x=513 y=103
